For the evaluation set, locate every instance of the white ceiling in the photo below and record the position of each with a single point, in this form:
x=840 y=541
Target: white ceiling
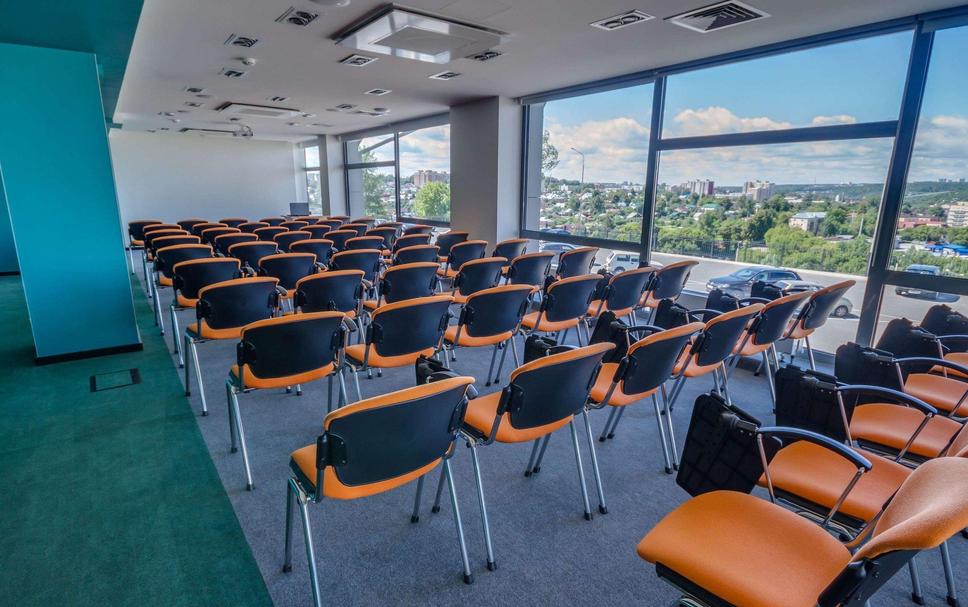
x=179 y=43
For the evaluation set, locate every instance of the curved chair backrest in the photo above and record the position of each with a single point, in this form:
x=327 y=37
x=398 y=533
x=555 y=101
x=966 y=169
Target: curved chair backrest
x=294 y=225
x=816 y=312
x=670 y=280
x=318 y=230
x=291 y=345
x=209 y=235
x=320 y=247
x=576 y=262
x=339 y=238
x=269 y=234
x=530 y=269
x=188 y=224
x=418 y=229
x=410 y=326
x=509 y=249
x=273 y=221
x=774 y=319
x=367 y=221
x=153 y=227
x=250 y=227
x=553 y=388
x=232 y=304
x=396 y=225
x=340 y=218
x=288 y=268
x=170 y=241
x=416 y=254
x=336 y=291
x=449 y=239
x=411 y=240
x=364 y=242
x=462 y=252
x=367 y=260
x=189 y=277
x=386 y=232
x=332 y=224
x=167 y=257
x=495 y=311
x=151 y=237
x=136 y=229
x=721 y=335
x=249 y=253
x=285 y=240
x=309 y=219
x=479 y=274
x=568 y=298
x=653 y=358
x=625 y=289
x=409 y=281
x=224 y=241
x=394 y=435
x=198 y=228
x=233 y=222
x=359 y=228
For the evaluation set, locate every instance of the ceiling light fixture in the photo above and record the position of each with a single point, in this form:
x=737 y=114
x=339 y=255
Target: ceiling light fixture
x=444 y=75
x=624 y=20
x=295 y=17
x=357 y=60
x=332 y=3
x=378 y=92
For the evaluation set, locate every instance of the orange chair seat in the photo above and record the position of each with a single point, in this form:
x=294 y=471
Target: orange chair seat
x=731 y=544
x=473 y=342
x=942 y=392
x=137 y=243
x=481 y=413
x=892 y=426
x=531 y=318
x=796 y=331
x=593 y=310
x=959 y=358
x=356 y=353
x=164 y=281
x=371 y=304
x=750 y=349
x=448 y=273
x=820 y=476
x=210 y=333
x=251 y=381
x=304 y=461
x=619 y=398
x=185 y=302
x=693 y=370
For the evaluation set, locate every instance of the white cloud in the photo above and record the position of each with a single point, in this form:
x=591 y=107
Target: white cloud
x=425 y=149
x=615 y=150
x=836 y=119
x=941 y=149
x=715 y=120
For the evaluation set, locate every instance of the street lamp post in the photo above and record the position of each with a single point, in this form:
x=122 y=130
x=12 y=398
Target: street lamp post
x=580 y=153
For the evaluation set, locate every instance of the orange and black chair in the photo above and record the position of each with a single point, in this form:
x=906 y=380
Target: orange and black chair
x=166 y=258
x=250 y=227
x=364 y=242
x=274 y=220
x=188 y=224
x=334 y=291
x=530 y=269
x=640 y=374
x=152 y=232
x=288 y=269
x=410 y=240
x=332 y=224
x=374 y=446
x=459 y=254
x=490 y=317
x=278 y=353
x=285 y=240
x=510 y=249
x=396 y=225
x=446 y=240
x=542 y=396
x=294 y=225
x=731 y=548
x=367 y=260
x=576 y=262
x=668 y=283
x=209 y=235
x=318 y=231
x=563 y=307
x=136 y=236
x=233 y=222
x=222 y=310
x=622 y=293
x=405 y=281
x=388 y=233
x=320 y=247
x=367 y=221
x=358 y=228
x=169 y=241
x=418 y=229
x=152 y=227
x=815 y=313
x=309 y=219
x=340 y=218
x=250 y=253
x=190 y=277
x=476 y=275
x=269 y=234
x=225 y=241
x=339 y=238
x=421 y=253
x=398 y=334
x=198 y=228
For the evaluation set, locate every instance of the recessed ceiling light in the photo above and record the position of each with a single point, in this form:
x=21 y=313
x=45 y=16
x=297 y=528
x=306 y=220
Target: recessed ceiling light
x=322 y=124
x=485 y=56
x=243 y=41
x=623 y=20
x=195 y=90
x=332 y=3
x=166 y=114
x=296 y=17
x=378 y=92
x=193 y=104
x=204 y=96
x=444 y=76
x=229 y=72
x=277 y=98
x=343 y=107
x=357 y=60
x=381 y=110
x=292 y=124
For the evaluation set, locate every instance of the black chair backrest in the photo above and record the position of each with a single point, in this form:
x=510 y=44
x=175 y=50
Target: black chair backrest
x=364 y=242
x=479 y=274
x=367 y=260
x=576 y=262
x=224 y=241
x=339 y=238
x=409 y=281
x=670 y=280
x=495 y=311
x=198 y=228
x=169 y=241
x=189 y=277
x=269 y=234
x=418 y=229
x=188 y=224
x=530 y=269
x=773 y=320
x=721 y=335
x=462 y=252
x=150 y=237
x=359 y=228
x=233 y=222
x=553 y=388
x=416 y=254
x=409 y=326
x=209 y=235
x=290 y=345
x=509 y=249
x=653 y=358
x=250 y=227
x=249 y=253
x=288 y=268
x=941 y=319
x=625 y=288
x=394 y=434
x=294 y=225
x=449 y=239
x=273 y=221
x=387 y=233
x=411 y=240
x=235 y=303
x=368 y=221
x=136 y=229
x=318 y=231
x=569 y=297
x=285 y=240
x=152 y=227
x=320 y=247
x=336 y=291
x=822 y=304
x=332 y=224
x=167 y=257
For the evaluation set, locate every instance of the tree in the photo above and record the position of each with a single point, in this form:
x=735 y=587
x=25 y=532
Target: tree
x=433 y=200
x=549 y=155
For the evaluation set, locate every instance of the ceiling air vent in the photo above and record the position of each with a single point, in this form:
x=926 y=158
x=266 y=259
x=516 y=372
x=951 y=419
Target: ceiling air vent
x=322 y=124
x=194 y=90
x=378 y=92
x=357 y=60
x=250 y=110
x=193 y=104
x=296 y=17
x=485 y=56
x=718 y=16
x=208 y=132
x=344 y=107
x=229 y=72
x=444 y=76
x=277 y=98
x=243 y=41
x=623 y=20
x=369 y=113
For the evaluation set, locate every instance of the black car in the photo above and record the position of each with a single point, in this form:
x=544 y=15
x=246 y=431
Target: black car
x=918 y=268
x=739 y=282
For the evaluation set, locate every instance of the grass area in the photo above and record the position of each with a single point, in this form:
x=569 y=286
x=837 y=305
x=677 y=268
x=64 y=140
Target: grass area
x=109 y=498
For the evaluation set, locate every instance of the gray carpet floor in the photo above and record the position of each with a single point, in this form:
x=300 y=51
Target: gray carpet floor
x=370 y=554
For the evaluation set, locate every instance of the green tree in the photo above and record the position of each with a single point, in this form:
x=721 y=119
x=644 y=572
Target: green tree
x=549 y=155
x=433 y=200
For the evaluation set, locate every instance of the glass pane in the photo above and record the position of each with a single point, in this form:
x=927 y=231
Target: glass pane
x=593 y=155
x=903 y=302
x=425 y=173
x=932 y=234
x=372 y=192
x=857 y=81
x=806 y=208
x=370 y=149
x=311 y=157
x=313 y=194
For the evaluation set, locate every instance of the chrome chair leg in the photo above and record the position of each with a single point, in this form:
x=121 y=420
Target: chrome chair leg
x=514 y=351
x=581 y=470
x=131 y=258
x=174 y=336
x=241 y=434
x=356 y=380
x=618 y=418
x=504 y=353
x=287 y=559
x=468 y=576
x=534 y=453
x=564 y=336
x=949 y=577
x=595 y=470
x=188 y=375
x=608 y=424
x=415 y=516
x=229 y=389
x=662 y=436
x=198 y=374
x=490 y=368
x=491 y=563
x=537 y=464
x=813 y=363
x=916 y=594
x=310 y=550
x=440 y=488
x=769 y=378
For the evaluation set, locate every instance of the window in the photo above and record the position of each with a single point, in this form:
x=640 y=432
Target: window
x=372 y=192
x=311 y=170
x=425 y=173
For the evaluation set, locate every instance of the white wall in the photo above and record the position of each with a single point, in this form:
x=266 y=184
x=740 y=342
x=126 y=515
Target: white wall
x=172 y=176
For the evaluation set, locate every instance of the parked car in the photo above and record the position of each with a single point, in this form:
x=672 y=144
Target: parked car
x=844 y=306
x=918 y=268
x=557 y=248
x=619 y=261
x=738 y=283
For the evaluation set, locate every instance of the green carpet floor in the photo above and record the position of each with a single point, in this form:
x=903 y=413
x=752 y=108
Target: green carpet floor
x=109 y=498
